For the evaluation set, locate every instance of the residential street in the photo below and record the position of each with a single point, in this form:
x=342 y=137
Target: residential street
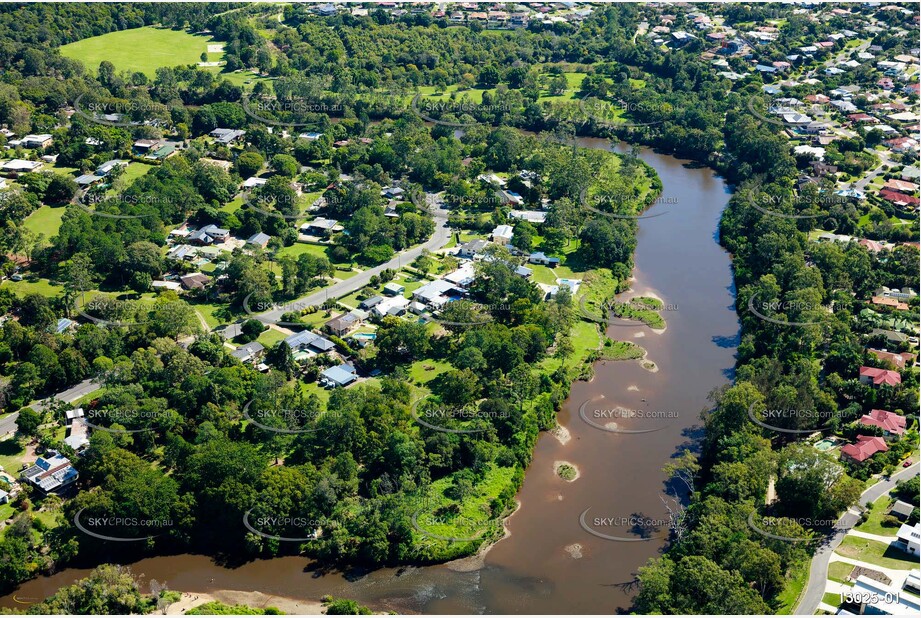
x=438 y=240
x=815 y=589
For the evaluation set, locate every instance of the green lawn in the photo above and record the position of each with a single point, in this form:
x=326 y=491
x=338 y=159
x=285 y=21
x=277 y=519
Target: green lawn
x=838 y=571
x=141 y=49
x=876 y=553
x=830 y=598
x=12 y=456
x=33 y=285
x=46 y=220
x=874 y=524
x=270 y=337
x=135 y=170
x=426 y=370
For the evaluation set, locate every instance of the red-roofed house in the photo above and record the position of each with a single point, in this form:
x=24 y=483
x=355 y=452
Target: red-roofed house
x=866 y=447
x=863 y=118
x=878 y=377
x=899 y=199
x=891 y=423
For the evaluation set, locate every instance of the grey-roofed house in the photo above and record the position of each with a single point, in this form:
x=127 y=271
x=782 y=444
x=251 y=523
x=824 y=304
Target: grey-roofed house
x=259 y=239
x=249 y=352
x=394 y=289
x=231 y=330
x=342 y=375
x=901 y=509
x=51 y=474
x=86 y=180
x=472 y=248
x=369 y=303
x=307 y=339
x=539 y=257
x=227 y=136
x=108 y=166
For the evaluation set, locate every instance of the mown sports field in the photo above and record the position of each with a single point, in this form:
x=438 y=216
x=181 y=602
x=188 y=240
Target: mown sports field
x=142 y=49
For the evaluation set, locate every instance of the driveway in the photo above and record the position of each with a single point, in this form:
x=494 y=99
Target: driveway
x=438 y=240
x=70 y=395
x=818 y=570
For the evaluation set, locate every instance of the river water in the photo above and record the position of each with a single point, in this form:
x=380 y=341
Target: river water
x=553 y=562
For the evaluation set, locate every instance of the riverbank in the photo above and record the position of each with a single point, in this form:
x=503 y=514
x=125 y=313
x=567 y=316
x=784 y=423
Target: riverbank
x=191 y=600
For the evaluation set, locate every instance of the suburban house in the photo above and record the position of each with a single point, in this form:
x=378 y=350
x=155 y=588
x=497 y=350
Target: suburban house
x=209 y=234
x=395 y=305
x=898 y=359
x=877 y=598
x=865 y=448
x=194 y=281
x=51 y=474
x=394 y=289
x=892 y=424
x=502 y=235
x=370 y=303
x=472 y=248
x=227 y=136
x=249 y=353
x=108 y=166
x=909 y=537
x=319 y=227
x=259 y=239
x=309 y=341
x=902 y=510
x=87 y=180
x=147 y=145
x=539 y=257
x=509 y=197
x=343 y=324
x=19 y=166
x=436 y=294
x=77 y=429
x=42 y=140
x=531 y=216
x=341 y=375
x=871 y=376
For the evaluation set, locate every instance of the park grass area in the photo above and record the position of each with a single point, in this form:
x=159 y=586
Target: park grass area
x=33 y=285
x=795 y=583
x=46 y=220
x=876 y=553
x=874 y=523
x=141 y=50
x=245 y=79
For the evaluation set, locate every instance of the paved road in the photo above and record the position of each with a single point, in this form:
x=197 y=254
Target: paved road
x=71 y=394
x=343 y=288
x=818 y=571
x=8 y=422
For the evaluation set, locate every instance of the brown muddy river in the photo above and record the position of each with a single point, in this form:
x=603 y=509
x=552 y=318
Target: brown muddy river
x=550 y=564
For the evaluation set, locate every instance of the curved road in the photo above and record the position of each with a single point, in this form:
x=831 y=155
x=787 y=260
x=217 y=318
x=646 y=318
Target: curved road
x=439 y=239
x=818 y=571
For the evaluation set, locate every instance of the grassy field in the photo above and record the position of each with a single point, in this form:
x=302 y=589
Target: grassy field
x=46 y=220
x=838 y=571
x=141 y=49
x=876 y=553
x=33 y=286
x=874 y=523
x=135 y=170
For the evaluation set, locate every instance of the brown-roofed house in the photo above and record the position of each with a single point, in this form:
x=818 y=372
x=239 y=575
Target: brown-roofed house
x=898 y=359
x=194 y=281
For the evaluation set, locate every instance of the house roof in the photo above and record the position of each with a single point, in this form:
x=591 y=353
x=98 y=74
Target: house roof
x=885 y=420
x=897 y=359
x=881 y=376
x=247 y=351
x=866 y=447
x=340 y=375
